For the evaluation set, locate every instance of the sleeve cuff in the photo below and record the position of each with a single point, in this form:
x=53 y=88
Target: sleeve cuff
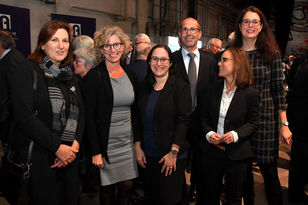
x=235 y=136
x=208 y=135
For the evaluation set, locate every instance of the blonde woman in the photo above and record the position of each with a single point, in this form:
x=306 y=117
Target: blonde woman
x=109 y=99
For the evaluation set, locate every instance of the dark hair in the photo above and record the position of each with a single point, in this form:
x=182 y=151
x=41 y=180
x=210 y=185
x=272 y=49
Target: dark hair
x=266 y=43
x=242 y=68
x=46 y=33
x=6 y=40
x=150 y=79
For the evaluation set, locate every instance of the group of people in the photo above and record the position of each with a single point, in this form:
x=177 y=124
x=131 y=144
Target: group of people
x=185 y=107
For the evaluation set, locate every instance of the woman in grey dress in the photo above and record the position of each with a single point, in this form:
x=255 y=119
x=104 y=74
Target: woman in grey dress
x=110 y=94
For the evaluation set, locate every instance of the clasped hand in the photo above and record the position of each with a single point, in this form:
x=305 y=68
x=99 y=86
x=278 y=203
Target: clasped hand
x=65 y=155
x=225 y=138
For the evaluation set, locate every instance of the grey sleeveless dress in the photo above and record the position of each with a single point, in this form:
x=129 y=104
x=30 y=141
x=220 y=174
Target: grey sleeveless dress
x=123 y=164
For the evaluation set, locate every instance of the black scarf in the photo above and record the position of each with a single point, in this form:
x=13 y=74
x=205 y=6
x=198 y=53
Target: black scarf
x=62 y=93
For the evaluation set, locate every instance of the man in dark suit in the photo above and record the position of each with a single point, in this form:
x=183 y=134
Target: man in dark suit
x=205 y=73
x=10 y=58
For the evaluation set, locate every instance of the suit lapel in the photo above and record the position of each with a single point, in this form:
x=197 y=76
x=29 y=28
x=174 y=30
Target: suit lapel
x=180 y=64
x=234 y=102
x=165 y=93
x=218 y=94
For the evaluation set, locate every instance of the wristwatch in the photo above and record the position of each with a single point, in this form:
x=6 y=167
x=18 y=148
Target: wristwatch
x=174 y=152
x=285 y=123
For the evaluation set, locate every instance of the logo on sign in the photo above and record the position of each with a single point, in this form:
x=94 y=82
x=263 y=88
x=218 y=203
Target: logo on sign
x=5 y=22
x=76 y=29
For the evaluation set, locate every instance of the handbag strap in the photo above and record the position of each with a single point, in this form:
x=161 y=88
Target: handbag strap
x=35 y=79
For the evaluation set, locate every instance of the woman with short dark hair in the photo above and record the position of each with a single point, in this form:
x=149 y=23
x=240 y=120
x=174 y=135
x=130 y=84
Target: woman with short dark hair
x=164 y=106
x=229 y=113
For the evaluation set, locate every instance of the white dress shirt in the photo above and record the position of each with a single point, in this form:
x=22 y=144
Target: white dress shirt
x=224 y=106
x=186 y=59
x=4 y=53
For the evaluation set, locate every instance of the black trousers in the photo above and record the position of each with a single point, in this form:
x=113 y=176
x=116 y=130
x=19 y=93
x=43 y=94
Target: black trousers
x=52 y=186
x=215 y=165
x=298 y=172
x=161 y=189
x=272 y=185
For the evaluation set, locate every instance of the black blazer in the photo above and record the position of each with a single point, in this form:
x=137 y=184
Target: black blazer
x=37 y=126
x=9 y=63
x=207 y=70
x=242 y=117
x=171 y=115
x=207 y=75
x=98 y=100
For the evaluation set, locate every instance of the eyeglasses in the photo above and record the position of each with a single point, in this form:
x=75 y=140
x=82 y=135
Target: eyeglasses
x=162 y=60
x=192 y=30
x=254 y=22
x=224 y=59
x=116 y=46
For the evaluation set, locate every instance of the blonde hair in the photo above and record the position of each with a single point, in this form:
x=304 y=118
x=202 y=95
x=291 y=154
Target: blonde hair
x=102 y=37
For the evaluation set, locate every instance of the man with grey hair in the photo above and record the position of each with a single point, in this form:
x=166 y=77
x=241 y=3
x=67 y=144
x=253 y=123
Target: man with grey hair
x=143 y=47
x=214 y=45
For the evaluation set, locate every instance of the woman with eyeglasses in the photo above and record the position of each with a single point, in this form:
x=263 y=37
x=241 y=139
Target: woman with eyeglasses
x=164 y=107
x=254 y=35
x=85 y=59
x=109 y=97
x=229 y=113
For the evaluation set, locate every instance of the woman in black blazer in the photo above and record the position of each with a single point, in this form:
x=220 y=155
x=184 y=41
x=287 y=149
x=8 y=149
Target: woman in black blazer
x=164 y=107
x=52 y=117
x=109 y=94
x=229 y=117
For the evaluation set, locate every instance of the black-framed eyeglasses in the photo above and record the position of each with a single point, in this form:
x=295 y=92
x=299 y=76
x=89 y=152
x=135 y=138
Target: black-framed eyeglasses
x=192 y=30
x=162 y=60
x=224 y=59
x=116 y=46
x=254 y=22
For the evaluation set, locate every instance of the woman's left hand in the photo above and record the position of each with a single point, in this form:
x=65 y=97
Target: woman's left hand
x=169 y=163
x=227 y=138
x=285 y=134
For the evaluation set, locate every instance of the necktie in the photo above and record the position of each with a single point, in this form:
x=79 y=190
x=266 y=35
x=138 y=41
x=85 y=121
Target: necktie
x=192 y=76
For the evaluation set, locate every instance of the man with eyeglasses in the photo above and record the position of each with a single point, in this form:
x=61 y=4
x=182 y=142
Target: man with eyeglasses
x=199 y=69
x=142 y=48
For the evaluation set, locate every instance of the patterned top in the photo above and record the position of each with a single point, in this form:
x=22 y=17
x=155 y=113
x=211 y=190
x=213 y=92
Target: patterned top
x=268 y=79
